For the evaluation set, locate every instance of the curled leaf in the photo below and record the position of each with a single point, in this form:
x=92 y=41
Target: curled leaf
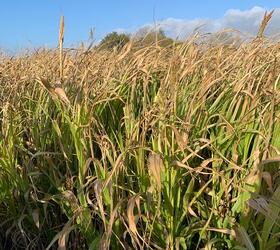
x=130 y=212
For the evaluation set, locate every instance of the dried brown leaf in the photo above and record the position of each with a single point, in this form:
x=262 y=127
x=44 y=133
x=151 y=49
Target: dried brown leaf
x=156 y=166
x=35 y=216
x=130 y=213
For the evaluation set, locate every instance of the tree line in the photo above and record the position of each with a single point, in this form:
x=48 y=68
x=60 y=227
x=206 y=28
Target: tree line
x=144 y=37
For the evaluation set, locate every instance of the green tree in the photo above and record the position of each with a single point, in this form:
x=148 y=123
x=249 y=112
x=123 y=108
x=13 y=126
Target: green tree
x=113 y=40
x=146 y=36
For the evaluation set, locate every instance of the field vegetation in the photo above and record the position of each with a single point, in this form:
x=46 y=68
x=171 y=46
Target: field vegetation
x=141 y=147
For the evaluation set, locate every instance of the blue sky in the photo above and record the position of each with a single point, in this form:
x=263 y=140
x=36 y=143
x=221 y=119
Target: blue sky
x=35 y=23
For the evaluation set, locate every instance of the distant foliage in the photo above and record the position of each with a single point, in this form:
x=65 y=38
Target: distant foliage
x=146 y=37
x=142 y=38
x=114 y=40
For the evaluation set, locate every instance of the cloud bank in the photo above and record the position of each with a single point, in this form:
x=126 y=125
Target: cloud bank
x=247 y=22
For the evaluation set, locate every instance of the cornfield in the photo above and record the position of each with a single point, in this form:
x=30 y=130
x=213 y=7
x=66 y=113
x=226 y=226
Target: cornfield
x=148 y=148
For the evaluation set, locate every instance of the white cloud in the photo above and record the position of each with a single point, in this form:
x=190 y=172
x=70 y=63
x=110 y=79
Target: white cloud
x=120 y=30
x=247 y=22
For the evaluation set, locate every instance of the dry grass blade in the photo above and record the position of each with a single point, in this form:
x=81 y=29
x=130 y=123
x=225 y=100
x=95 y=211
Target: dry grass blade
x=223 y=231
x=260 y=205
x=62 y=242
x=61 y=237
x=105 y=242
x=275 y=159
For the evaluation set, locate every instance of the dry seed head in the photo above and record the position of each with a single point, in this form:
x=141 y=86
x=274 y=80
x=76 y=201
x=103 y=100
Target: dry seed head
x=155 y=167
x=264 y=23
x=61 y=30
x=61 y=39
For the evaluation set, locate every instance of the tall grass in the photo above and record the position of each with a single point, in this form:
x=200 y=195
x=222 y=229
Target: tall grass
x=157 y=148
